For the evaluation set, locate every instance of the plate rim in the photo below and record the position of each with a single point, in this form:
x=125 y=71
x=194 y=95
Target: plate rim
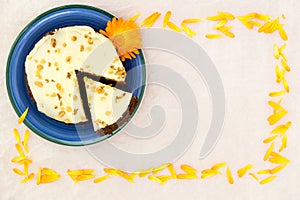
x=19 y=112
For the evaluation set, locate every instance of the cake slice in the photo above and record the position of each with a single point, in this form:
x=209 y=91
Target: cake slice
x=109 y=107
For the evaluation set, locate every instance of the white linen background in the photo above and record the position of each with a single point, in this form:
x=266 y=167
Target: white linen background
x=246 y=65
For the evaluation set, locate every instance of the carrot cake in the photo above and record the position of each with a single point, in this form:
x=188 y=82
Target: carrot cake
x=51 y=67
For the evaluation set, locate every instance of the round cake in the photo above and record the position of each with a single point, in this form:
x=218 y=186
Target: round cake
x=51 y=73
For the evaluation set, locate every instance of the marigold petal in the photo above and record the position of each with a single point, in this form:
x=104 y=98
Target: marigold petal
x=283 y=143
x=172 y=171
x=241 y=172
x=134 y=17
x=277 y=169
x=17 y=136
x=220 y=24
x=285 y=65
x=38 y=177
x=270 y=139
x=276 y=52
x=219 y=166
x=155 y=179
x=81 y=172
x=267 y=180
x=262 y=17
x=246 y=23
x=166 y=18
x=213 y=36
x=269 y=151
x=278 y=159
x=281 y=129
x=188 y=169
x=23 y=116
x=160 y=168
x=274 y=118
x=19 y=172
x=286 y=85
x=48 y=179
x=191 y=20
x=187 y=30
x=264 y=171
x=229 y=176
x=100 y=179
x=254 y=176
x=20 y=150
x=276 y=94
x=28 y=178
x=282 y=33
x=187 y=176
x=85 y=177
x=174 y=27
x=19 y=158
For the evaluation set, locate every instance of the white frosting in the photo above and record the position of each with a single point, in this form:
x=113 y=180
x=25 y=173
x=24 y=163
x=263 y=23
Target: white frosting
x=107 y=104
x=51 y=65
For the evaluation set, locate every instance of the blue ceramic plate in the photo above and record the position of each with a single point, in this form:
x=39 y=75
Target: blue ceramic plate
x=38 y=122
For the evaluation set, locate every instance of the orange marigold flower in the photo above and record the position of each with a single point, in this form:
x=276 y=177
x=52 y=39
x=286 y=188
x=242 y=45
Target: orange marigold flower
x=125 y=35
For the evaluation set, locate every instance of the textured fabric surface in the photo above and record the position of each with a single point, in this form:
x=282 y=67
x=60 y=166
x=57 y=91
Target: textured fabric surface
x=247 y=68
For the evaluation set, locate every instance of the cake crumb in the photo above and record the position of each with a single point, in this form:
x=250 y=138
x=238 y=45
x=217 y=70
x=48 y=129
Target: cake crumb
x=107 y=113
x=61 y=114
x=49 y=64
x=90 y=41
x=38 y=83
x=75 y=111
x=68 y=75
x=103 y=98
x=59 y=87
x=99 y=90
x=53 y=42
x=43 y=61
x=69 y=109
x=64 y=44
x=40 y=67
x=57 y=50
x=73 y=38
x=75 y=98
x=90 y=48
x=68 y=59
x=81 y=48
x=59 y=97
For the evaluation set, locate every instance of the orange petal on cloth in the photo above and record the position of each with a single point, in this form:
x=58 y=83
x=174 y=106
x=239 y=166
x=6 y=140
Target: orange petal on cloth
x=267 y=180
x=23 y=116
x=274 y=118
x=269 y=151
x=229 y=176
x=241 y=172
x=213 y=36
x=100 y=179
x=174 y=27
x=188 y=169
x=166 y=18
